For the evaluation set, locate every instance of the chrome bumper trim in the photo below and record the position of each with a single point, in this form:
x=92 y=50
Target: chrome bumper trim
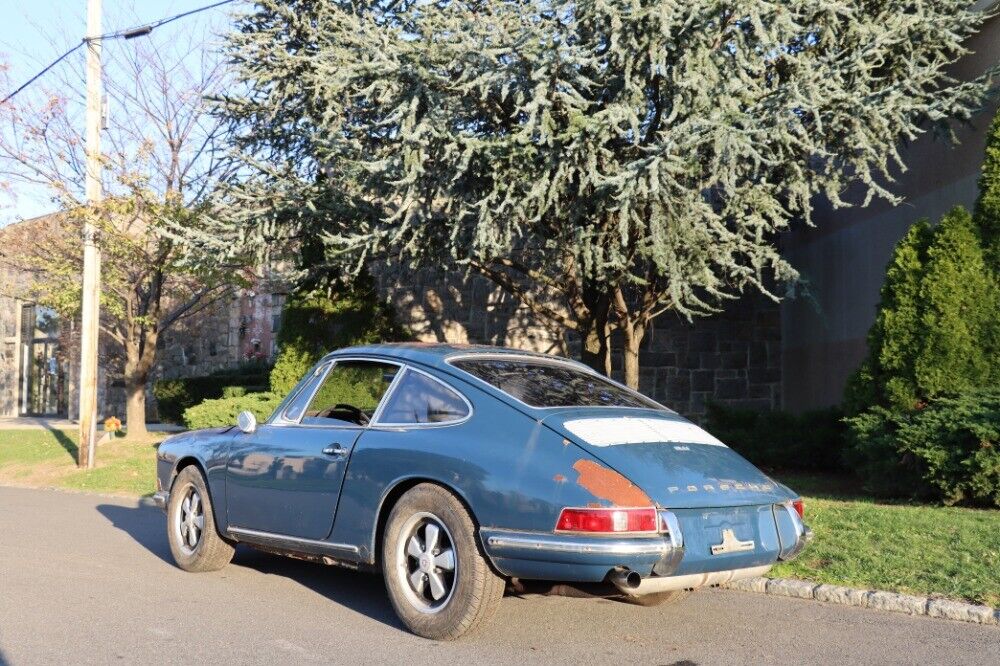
x=542 y=543
x=655 y=584
x=161 y=498
x=803 y=534
x=270 y=538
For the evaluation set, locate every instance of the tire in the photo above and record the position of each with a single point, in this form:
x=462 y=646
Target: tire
x=444 y=603
x=210 y=551
x=658 y=598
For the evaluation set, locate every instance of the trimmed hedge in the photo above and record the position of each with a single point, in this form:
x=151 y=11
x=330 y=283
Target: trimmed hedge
x=317 y=321
x=173 y=396
x=222 y=412
x=948 y=450
x=812 y=441
x=936 y=332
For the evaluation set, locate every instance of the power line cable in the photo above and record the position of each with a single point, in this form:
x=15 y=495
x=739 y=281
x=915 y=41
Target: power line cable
x=145 y=29
x=127 y=33
x=39 y=74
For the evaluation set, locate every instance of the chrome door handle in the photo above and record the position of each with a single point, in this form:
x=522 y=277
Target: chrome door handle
x=335 y=450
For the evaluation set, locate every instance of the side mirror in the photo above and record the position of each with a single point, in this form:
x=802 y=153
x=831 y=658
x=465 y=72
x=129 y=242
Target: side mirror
x=246 y=422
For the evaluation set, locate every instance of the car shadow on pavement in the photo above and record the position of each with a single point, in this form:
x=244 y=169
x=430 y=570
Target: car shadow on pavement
x=361 y=592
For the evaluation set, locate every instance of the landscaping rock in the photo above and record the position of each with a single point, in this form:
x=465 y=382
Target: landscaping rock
x=798 y=589
x=900 y=603
x=955 y=610
x=875 y=599
x=838 y=594
x=756 y=584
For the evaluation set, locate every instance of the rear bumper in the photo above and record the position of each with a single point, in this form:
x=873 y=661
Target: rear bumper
x=657 y=584
x=685 y=556
x=160 y=498
x=563 y=557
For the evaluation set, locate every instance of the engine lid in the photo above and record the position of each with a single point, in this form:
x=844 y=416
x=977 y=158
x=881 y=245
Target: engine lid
x=675 y=462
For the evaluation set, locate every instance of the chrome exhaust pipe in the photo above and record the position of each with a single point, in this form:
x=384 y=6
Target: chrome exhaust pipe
x=626 y=581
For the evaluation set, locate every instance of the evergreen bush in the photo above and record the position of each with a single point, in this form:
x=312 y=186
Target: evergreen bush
x=937 y=331
x=960 y=308
x=317 y=321
x=173 y=396
x=222 y=412
x=987 y=211
x=949 y=449
x=812 y=441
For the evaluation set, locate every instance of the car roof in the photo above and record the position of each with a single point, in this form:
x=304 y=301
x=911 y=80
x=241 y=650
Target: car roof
x=435 y=354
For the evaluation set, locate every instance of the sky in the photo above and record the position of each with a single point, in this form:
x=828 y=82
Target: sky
x=32 y=34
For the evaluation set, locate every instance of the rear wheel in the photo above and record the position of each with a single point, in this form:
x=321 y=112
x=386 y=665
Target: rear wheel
x=194 y=541
x=658 y=598
x=439 y=583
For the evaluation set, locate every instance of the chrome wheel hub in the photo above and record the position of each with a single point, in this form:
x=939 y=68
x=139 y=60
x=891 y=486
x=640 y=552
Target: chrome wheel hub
x=426 y=563
x=189 y=521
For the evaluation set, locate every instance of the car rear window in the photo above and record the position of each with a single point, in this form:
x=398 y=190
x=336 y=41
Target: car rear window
x=549 y=384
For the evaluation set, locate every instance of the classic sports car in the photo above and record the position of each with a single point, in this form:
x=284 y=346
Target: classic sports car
x=460 y=471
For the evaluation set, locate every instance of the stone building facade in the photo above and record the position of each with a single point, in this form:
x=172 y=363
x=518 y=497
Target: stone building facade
x=40 y=358
x=733 y=358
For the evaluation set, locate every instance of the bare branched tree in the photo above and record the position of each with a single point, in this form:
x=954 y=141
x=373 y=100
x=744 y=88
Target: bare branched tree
x=160 y=154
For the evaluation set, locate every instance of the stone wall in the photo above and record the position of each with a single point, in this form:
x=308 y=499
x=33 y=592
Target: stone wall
x=733 y=358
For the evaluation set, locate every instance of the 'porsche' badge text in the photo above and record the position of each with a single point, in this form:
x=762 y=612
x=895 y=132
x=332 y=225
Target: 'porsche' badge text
x=730 y=544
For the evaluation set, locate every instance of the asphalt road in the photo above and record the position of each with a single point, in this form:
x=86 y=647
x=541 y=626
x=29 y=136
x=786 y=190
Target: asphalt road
x=88 y=579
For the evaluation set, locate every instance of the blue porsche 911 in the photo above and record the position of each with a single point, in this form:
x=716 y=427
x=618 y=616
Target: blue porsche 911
x=464 y=471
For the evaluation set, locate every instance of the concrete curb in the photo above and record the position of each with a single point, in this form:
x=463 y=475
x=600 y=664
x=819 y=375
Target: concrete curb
x=875 y=599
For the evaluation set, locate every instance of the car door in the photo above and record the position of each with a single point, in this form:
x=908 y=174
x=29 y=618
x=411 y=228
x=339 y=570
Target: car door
x=285 y=478
x=411 y=434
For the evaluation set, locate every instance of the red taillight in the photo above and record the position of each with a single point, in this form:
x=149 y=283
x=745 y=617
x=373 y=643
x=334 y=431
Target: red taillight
x=799 y=508
x=607 y=520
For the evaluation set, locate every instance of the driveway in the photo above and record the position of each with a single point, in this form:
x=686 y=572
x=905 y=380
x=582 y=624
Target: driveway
x=88 y=579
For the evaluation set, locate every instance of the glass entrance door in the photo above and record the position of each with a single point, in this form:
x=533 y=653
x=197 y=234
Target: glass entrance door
x=43 y=389
x=46 y=383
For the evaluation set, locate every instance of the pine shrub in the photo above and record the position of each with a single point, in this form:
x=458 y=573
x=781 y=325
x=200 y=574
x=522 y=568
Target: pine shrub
x=812 y=441
x=987 y=211
x=887 y=377
x=222 y=412
x=948 y=450
x=937 y=331
x=960 y=308
x=318 y=321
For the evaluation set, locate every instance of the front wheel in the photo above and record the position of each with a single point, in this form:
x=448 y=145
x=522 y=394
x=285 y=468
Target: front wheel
x=439 y=583
x=194 y=542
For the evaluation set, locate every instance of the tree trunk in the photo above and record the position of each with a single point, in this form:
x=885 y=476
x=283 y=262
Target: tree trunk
x=138 y=364
x=633 y=333
x=596 y=350
x=135 y=406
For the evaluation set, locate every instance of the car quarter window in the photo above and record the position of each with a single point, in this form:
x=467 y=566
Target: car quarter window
x=541 y=383
x=419 y=398
x=350 y=393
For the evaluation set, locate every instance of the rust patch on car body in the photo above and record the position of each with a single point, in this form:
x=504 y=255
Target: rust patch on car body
x=609 y=485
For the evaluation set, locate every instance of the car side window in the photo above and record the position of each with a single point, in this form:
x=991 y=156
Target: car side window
x=421 y=399
x=350 y=393
x=295 y=409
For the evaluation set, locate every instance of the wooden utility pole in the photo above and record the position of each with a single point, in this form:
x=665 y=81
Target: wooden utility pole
x=90 y=313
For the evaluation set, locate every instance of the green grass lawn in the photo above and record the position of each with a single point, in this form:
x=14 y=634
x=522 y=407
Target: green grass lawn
x=915 y=548
x=860 y=542
x=47 y=458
